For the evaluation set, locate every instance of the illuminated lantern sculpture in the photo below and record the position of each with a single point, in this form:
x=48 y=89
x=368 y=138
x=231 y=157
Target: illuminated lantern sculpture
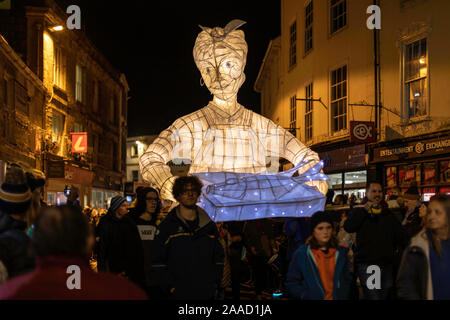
x=227 y=145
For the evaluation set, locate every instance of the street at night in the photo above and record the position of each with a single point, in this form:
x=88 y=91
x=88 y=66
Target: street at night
x=225 y=158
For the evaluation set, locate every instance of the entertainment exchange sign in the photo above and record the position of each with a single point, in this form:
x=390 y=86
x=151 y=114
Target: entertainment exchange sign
x=412 y=150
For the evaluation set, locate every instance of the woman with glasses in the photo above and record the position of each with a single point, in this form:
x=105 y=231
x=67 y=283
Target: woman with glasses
x=145 y=214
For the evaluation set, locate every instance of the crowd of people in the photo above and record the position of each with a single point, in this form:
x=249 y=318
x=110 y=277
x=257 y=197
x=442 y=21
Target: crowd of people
x=135 y=252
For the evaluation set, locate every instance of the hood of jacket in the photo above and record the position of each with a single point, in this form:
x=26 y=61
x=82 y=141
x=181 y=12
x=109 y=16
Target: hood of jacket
x=9 y=223
x=420 y=241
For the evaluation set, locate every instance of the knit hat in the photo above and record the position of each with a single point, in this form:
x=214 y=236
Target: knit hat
x=116 y=202
x=320 y=217
x=412 y=193
x=14 y=198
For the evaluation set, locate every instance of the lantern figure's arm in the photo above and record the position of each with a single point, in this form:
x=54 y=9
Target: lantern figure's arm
x=296 y=152
x=153 y=163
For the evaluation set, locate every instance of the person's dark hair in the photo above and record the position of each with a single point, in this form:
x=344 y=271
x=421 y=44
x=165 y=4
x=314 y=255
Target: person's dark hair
x=333 y=243
x=181 y=182
x=60 y=230
x=370 y=182
x=444 y=200
x=141 y=203
x=339 y=197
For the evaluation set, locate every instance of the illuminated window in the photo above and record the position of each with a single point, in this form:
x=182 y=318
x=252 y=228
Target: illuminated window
x=339 y=99
x=57 y=124
x=60 y=67
x=293 y=116
x=309 y=112
x=77 y=127
x=80 y=84
x=293 y=44
x=309 y=27
x=134 y=151
x=416 y=74
x=338 y=15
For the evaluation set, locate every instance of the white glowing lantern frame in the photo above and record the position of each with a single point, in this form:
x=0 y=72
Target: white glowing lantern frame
x=224 y=141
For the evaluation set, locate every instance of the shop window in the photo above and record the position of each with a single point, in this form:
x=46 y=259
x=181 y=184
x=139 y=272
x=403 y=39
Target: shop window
x=427 y=193
x=391 y=177
x=429 y=173
x=408 y=174
x=356 y=179
x=335 y=181
x=445 y=190
x=445 y=171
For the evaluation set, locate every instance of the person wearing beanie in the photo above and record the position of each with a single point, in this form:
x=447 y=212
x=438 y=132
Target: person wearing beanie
x=320 y=269
x=412 y=222
x=379 y=240
x=118 y=244
x=15 y=200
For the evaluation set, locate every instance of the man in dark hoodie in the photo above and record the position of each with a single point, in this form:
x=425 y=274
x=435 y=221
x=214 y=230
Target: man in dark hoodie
x=15 y=200
x=379 y=236
x=119 y=246
x=186 y=255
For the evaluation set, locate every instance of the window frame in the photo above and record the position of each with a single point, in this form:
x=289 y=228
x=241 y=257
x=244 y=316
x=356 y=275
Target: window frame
x=60 y=68
x=342 y=98
x=309 y=27
x=293 y=44
x=80 y=83
x=405 y=82
x=293 y=115
x=332 y=18
x=309 y=107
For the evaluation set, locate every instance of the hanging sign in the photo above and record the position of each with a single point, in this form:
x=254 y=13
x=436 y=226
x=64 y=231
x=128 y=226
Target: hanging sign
x=79 y=142
x=362 y=131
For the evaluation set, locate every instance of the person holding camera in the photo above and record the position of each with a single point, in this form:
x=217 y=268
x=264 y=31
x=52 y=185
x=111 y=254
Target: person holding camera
x=72 y=194
x=379 y=236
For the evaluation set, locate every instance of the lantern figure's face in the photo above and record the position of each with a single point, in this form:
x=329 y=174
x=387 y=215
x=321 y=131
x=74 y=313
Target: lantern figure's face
x=221 y=59
x=223 y=73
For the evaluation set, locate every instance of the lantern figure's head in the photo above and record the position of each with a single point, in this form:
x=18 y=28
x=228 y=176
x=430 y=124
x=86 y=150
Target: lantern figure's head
x=220 y=54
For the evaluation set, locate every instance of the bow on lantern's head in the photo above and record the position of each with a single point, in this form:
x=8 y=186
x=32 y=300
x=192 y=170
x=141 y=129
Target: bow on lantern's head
x=220 y=54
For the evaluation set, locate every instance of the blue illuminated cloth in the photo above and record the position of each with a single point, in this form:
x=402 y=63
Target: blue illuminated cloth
x=229 y=196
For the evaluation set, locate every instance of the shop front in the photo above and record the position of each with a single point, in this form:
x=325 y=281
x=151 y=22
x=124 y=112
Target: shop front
x=346 y=169
x=105 y=186
x=425 y=162
x=61 y=174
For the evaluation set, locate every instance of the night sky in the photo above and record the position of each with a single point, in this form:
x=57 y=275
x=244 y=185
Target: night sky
x=151 y=42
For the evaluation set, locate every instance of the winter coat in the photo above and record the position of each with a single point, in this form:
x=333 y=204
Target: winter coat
x=303 y=279
x=259 y=235
x=119 y=247
x=15 y=249
x=378 y=236
x=49 y=282
x=413 y=222
x=189 y=260
x=414 y=276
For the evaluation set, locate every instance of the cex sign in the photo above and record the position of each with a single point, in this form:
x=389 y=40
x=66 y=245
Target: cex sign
x=362 y=131
x=79 y=142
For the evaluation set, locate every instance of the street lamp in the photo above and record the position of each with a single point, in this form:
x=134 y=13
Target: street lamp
x=56 y=28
